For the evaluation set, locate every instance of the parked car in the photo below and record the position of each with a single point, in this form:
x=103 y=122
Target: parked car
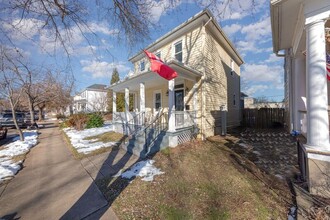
x=6 y=119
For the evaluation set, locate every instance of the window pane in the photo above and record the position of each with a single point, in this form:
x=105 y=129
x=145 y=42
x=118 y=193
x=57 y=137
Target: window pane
x=178 y=57
x=178 y=47
x=142 y=66
x=158 y=101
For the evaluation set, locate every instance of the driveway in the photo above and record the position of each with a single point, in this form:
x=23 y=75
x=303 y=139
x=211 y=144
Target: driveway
x=52 y=184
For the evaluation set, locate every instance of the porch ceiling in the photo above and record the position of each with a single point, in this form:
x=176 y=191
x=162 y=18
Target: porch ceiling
x=152 y=80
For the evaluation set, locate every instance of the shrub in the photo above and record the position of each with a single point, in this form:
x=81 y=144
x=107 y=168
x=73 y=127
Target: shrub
x=60 y=116
x=95 y=121
x=78 y=121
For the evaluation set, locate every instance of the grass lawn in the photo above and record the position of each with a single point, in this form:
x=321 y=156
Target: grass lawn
x=201 y=180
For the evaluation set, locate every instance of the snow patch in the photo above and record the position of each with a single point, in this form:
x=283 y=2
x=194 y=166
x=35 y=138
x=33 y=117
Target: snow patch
x=8 y=168
x=87 y=146
x=144 y=169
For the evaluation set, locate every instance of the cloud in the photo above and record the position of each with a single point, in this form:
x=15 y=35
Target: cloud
x=262 y=73
x=232 y=29
x=102 y=69
x=257 y=31
x=235 y=9
x=255 y=89
x=273 y=58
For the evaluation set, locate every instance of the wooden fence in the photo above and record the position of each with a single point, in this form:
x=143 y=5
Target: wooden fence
x=263 y=118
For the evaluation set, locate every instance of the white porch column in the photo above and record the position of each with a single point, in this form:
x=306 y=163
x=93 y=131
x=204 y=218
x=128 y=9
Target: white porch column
x=114 y=104
x=299 y=82
x=171 y=116
x=142 y=98
x=126 y=103
x=317 y=96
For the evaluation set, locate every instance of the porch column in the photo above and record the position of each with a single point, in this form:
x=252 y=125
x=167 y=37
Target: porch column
x=142 y=98
x=114 y=104
x=195 y=100
x=171 y=116
x=298 y=87
x=126 y=103
x=317 y=95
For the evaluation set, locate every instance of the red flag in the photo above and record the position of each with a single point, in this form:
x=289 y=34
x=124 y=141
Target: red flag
x=158 y=66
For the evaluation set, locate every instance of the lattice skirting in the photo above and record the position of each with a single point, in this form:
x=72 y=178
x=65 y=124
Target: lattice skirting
x=186 y=136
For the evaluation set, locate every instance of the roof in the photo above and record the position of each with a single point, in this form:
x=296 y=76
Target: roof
x=97 y=87
x=197 y=20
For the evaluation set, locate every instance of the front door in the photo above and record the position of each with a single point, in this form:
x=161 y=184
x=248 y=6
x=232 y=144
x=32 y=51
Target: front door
x=179 y=107
x=179 y=95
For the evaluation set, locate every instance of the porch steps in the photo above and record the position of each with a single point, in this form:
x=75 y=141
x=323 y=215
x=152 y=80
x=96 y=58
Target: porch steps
x=137 y=144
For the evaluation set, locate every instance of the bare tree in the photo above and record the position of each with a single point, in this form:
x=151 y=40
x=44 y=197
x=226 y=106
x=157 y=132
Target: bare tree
x=11 y=86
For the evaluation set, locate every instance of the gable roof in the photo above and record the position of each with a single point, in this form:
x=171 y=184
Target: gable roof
x=97 y=87
x=201 y=18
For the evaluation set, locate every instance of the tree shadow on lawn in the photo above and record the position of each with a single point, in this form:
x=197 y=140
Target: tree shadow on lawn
x=111 y=186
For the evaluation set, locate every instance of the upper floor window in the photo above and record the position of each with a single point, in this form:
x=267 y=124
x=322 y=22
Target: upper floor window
x=178 y=51
x=158 y=54
x=234 y=99
x=142 y=66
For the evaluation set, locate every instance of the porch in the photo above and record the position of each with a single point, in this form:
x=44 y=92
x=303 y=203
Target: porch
x=164 y=112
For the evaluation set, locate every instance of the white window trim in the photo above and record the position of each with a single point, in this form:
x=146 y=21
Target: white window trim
x=154 y=100
x=173 y=48
x=142 y=61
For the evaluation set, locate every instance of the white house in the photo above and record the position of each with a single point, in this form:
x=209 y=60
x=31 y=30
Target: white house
x=194 y=103
x=91 y=99
x=299 y=28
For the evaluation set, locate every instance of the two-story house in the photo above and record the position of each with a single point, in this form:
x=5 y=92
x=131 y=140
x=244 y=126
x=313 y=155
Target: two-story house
x=208 y=84
x=91 y=99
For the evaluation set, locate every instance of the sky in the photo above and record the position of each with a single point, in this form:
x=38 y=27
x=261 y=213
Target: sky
x=247 y=26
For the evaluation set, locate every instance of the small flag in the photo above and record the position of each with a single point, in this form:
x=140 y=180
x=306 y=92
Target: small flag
x=158 y=66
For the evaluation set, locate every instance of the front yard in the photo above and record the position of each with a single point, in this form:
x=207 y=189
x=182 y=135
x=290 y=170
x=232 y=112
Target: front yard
x=200 y=180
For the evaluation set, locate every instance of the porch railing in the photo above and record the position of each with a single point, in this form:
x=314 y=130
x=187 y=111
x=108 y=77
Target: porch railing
x=135 y=124
x=158 y=125
x=184 y=119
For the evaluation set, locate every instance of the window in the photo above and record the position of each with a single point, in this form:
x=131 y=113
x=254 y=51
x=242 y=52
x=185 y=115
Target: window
x=178 y=51
x=142 y=66
x=158 y=54
x=158 y=101
x=234 y=99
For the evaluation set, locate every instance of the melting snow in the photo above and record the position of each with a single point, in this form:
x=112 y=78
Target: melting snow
x=87 y=146
x=144 y=169
x=8 y=168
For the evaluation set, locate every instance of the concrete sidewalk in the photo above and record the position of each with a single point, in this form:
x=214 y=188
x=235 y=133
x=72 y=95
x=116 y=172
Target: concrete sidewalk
x=52 y=185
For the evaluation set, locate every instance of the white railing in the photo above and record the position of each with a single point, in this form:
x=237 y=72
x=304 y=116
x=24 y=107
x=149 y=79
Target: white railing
x=184 y=119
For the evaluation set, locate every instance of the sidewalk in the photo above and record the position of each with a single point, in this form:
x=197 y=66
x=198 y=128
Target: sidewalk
x=52 y=185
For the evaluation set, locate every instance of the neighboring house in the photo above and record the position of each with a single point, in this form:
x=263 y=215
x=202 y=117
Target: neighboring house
x=299 y=28
x=91 y=99
x=250 y=102
x=208 y=68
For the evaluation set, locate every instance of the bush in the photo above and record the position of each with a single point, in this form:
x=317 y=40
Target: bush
x=78 y=121
x=95 y=121
x=60 y=116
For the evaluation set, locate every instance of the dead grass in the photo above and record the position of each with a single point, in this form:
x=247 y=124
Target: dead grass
x=201 y=180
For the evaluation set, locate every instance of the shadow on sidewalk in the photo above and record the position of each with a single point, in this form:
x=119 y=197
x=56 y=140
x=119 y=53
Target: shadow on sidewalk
x=114 y=185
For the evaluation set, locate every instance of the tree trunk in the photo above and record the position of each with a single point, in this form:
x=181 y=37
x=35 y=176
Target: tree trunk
x=21 y=136
x=31 y=109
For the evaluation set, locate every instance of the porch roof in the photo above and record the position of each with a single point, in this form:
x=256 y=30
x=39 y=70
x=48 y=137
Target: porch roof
x=152 y=79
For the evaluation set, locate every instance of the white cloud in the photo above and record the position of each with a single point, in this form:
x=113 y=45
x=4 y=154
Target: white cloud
x=102 y=69
x=251 y=91
x=262 y=73
x=236 y=9
x=273 y=58
x=232 y=29
x=257 y=31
